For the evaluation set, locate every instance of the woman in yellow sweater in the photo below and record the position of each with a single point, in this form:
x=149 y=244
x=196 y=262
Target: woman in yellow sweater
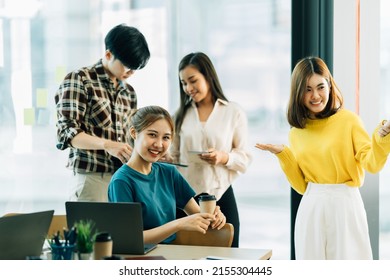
x=329 y=149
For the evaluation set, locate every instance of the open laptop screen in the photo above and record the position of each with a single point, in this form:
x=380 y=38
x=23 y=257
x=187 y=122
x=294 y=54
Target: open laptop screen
x=122 y=220
x=23 y=235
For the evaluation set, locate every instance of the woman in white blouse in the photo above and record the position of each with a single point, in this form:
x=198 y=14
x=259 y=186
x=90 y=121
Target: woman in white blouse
x=208 y=123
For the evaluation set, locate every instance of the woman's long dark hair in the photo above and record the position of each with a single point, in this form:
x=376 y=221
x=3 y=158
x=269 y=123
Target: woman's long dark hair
x=204 y=65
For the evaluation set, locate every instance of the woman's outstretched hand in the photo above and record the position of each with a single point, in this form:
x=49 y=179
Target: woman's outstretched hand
x=275 y=149
x=384 y=130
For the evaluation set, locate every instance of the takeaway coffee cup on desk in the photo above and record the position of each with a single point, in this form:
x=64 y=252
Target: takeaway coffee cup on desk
x=102 y=247
x=207 y=203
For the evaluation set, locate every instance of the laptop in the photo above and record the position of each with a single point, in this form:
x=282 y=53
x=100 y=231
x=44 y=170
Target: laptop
x=23 y=235
x=122 y=220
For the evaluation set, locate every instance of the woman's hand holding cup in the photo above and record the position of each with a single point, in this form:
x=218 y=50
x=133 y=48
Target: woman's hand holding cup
x=208 y=204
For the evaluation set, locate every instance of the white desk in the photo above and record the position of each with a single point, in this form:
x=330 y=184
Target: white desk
x=184 y=252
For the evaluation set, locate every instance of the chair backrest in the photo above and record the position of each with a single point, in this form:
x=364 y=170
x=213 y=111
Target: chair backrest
x=213 y=237
x=58 y=223
x=10 y=214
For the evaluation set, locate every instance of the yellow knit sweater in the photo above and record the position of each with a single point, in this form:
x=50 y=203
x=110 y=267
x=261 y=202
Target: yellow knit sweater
x=335 y=150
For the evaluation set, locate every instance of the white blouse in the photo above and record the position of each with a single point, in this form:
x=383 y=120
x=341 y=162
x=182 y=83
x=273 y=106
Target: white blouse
x=226 y=130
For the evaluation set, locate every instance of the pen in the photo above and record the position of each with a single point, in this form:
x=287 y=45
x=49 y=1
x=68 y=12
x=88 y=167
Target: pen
x=66 y=236
x=72 y=236
x=57 y=238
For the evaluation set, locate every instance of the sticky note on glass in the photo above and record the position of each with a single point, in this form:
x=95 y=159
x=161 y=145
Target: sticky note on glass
x=29 y=116
x=41 y=98
x=60 y=73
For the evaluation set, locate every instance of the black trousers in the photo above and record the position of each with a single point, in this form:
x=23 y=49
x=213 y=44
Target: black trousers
x=228 y=206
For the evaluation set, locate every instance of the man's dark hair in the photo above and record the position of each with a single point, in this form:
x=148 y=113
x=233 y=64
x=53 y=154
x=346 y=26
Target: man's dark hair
x=128 y=45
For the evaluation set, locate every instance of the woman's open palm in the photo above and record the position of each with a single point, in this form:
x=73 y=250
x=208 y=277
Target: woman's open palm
x=275 y=149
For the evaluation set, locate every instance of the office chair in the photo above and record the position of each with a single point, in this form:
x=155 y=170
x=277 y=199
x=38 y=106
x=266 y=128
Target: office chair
x=213 y=237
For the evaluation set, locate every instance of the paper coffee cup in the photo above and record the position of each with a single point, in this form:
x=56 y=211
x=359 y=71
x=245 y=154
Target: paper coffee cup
x=103 y=246
x=207 y=203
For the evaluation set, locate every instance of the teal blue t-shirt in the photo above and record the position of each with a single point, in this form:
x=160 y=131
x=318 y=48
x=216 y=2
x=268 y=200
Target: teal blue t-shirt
x=159 y=192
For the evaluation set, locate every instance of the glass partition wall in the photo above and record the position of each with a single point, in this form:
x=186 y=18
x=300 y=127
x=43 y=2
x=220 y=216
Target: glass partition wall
x=248 y=41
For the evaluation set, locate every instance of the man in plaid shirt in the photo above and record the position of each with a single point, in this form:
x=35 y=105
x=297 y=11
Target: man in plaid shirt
x=93 y=107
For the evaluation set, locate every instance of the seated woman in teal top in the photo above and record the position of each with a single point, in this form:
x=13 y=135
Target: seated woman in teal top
x=159 y=187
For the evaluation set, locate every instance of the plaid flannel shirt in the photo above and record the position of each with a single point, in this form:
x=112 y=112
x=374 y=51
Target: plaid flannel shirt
x=87 y=101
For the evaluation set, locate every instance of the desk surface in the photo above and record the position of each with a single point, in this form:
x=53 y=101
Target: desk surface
x=184 y=252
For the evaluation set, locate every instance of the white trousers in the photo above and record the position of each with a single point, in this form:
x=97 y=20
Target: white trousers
x=331 y=224
x=90 y=186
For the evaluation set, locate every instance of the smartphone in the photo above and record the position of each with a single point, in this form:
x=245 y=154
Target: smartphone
x=193 y=156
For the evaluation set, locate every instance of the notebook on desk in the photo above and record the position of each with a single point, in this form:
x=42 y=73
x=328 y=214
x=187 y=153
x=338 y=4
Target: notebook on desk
x=122 y=220
x=23 y=235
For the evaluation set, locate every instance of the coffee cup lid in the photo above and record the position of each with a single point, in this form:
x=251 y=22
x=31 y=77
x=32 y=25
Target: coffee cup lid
x=103 y=236
x=207 y=197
